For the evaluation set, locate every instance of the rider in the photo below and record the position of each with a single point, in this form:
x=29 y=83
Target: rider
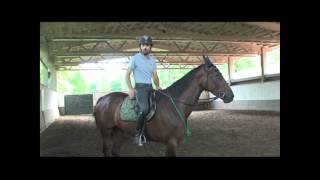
x=143 y=67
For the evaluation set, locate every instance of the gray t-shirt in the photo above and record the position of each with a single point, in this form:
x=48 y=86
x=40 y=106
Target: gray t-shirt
x=142 y=68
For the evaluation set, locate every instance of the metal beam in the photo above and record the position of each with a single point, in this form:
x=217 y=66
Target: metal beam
x=44 y=64
x=58 y=49
x=274 y=26
x=167 y=63
x=101 y=69
x=207 y=50
x=160 y=59
x=88 y=40
x=153 y=53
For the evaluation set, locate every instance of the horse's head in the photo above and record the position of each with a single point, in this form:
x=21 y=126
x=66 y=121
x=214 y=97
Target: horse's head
x=213 y=81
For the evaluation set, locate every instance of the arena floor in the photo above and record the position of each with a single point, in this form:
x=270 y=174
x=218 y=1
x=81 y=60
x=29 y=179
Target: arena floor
x=215 y=133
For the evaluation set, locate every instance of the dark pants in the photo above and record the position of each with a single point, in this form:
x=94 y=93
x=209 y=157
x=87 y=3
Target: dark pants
x=143 y=93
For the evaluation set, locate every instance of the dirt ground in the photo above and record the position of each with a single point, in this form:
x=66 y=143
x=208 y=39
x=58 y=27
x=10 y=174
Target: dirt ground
x=215 y=133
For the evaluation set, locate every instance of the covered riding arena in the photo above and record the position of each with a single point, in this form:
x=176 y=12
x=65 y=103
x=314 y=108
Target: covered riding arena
x=249 y=126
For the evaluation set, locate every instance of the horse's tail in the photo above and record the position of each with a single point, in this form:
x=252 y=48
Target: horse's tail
x=94 y=111
x=94 y=114
x=97 y=103
x=99 y=99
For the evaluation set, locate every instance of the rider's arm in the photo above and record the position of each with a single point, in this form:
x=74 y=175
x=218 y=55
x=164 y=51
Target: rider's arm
x=128 y=80
x=156 y=79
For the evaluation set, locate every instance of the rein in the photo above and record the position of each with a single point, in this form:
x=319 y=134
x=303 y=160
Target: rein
x=221 y=95
x=187 y=129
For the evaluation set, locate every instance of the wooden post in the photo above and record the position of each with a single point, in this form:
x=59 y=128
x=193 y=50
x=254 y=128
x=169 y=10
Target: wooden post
x=262 y=57
x=229 y=70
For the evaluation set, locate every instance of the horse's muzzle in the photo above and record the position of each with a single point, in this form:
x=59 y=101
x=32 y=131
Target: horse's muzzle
x=228 y=97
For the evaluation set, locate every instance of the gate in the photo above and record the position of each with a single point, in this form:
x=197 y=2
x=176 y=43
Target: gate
x=78 y=104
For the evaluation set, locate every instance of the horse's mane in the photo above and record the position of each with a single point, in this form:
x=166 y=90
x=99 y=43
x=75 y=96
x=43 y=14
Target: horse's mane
x=180 y=85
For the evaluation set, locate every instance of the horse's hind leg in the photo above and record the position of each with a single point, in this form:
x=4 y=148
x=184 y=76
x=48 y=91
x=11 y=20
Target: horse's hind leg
x=117 y=138
x=106 y=140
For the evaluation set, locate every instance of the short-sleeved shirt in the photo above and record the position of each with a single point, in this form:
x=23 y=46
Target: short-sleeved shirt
x=142 y=67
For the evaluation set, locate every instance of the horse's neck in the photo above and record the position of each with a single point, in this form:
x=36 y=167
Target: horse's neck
x=189 y=95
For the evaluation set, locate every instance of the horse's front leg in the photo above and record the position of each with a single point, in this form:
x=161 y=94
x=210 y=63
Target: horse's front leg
x=171 y=147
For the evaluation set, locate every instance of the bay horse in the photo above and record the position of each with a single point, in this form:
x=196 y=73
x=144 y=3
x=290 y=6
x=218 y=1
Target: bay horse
x=166 y=125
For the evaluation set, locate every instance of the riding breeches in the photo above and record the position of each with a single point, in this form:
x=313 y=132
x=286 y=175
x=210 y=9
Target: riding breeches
x=143 y=93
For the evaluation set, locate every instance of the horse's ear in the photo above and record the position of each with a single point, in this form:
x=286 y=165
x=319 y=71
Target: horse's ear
x=207 y=61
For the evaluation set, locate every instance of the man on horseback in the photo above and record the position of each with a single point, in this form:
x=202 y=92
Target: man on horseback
x=143 y=67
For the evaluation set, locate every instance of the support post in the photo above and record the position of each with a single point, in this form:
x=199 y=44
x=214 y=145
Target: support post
x=229 y=71
x=263 y=57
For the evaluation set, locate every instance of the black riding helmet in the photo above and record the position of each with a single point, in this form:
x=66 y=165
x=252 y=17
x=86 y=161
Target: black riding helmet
x=145 y=40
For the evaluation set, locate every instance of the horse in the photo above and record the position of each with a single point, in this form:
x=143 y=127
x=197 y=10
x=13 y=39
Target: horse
x=166 y=125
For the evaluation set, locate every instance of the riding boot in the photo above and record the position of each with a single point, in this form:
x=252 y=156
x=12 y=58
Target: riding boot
x=138 y=135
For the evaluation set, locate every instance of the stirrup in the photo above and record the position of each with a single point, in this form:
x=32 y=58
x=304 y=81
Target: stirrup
x=144 y=139
x=140 y=144
x=139 y=139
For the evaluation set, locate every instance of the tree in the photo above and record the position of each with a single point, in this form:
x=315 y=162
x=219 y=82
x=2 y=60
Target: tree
x=116 y=86
x=243 y=63
x=63 y=82
x=168 y=76
x=79 y=85
x=92 y=88
x=71 y=82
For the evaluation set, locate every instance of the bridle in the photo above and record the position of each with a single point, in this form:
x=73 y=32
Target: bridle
x=220 y=94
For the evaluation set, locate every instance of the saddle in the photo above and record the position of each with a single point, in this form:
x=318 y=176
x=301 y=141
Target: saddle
x=130 y=108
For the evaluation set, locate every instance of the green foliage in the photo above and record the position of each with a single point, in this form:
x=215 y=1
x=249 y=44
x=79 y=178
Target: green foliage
x=62 y=82
x=103 y=83
x=243 y=63
x=116 y=86
x=92 y=88
x=169 y=76
x=78 y=82
x=71 y=82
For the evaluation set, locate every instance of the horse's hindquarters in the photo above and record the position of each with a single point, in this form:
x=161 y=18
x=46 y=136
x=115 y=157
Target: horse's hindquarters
x=107 y=110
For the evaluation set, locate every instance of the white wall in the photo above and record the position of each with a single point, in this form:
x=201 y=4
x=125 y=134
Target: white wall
x=258 y=91
x=49 y=107
x=44 y=55
x=48 y=95
x=257 y=96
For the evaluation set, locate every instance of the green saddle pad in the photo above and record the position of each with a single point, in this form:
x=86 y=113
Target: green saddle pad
x=128 y=113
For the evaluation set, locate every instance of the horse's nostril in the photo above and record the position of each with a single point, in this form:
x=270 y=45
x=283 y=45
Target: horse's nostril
x=230 y=96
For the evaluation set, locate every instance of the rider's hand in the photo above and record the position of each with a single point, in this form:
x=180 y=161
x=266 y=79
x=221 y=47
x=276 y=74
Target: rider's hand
x=158 y=88
x=132 y=93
